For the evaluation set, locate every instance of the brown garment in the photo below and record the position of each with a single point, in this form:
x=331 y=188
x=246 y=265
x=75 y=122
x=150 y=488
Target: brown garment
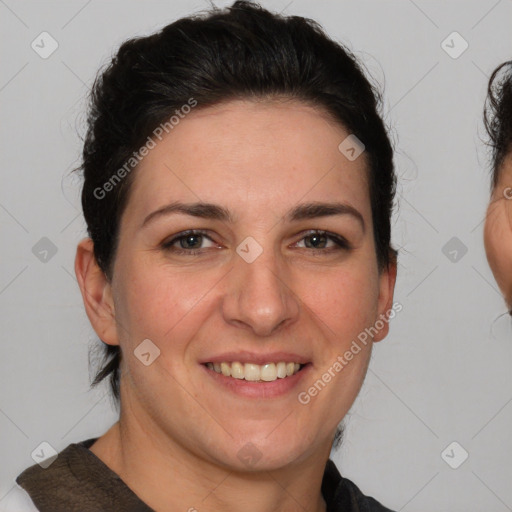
x=78 y=481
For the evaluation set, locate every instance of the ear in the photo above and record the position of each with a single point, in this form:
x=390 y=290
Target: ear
x=387 y=280
x=96 y=293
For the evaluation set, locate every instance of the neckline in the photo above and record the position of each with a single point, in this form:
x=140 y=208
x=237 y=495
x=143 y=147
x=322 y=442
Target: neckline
x=79 y=451
x=330 y=487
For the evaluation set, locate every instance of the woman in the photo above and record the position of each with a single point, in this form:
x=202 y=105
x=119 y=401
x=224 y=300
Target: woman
x=238 y=188
x=498 y=224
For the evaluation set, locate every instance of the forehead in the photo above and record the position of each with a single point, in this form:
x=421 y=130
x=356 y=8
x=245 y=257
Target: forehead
x=268 y=153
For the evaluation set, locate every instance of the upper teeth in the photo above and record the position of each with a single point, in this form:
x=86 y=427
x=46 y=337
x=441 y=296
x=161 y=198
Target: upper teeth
x=254 y=372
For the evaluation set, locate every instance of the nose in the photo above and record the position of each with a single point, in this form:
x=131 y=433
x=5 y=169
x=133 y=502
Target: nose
x=258 y=296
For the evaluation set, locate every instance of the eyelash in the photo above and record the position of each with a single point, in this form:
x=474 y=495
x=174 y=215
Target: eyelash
x=341 y=242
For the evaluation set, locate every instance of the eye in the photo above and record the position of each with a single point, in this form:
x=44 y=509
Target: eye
x=194 y=242
x=324 y=240
x=189 y=242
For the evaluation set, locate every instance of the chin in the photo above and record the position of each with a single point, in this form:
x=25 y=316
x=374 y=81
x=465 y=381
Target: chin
x=266 y=452
x=254 y=451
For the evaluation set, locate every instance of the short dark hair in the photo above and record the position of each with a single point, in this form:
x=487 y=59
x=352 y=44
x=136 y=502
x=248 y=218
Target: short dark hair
x=498 y=116
x=240 y=52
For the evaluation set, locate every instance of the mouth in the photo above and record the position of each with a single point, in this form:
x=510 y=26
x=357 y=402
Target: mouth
x=253 y=372
x=253 y=375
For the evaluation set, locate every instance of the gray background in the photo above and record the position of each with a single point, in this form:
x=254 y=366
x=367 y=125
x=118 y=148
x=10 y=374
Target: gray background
x=444 y=372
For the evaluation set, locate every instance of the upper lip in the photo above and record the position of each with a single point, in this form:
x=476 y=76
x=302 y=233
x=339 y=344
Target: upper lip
x=256 y=358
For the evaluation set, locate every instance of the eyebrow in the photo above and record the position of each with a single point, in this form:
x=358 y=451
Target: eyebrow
x=304 y=211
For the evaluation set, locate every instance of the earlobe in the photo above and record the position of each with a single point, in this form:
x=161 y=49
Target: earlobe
x=386 y=293
x=96 y=293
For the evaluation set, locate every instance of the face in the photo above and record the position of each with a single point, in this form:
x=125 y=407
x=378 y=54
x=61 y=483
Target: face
x=498 y=231
x=280 y=267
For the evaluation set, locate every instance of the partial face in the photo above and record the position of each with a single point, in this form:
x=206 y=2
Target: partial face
x=255 y=284
x=498 y=231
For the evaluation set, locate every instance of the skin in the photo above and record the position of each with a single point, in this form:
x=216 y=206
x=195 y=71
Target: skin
x=177 y=441
x=498 y=230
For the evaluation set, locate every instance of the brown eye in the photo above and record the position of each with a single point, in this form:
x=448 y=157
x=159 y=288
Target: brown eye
x=316 y=241
x=188 y=242
x=324 y=240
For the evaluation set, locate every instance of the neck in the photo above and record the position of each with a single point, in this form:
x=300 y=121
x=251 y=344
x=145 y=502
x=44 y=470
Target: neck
x=168 y=477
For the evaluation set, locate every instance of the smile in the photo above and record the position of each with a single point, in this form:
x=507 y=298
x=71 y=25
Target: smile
x=255 y=372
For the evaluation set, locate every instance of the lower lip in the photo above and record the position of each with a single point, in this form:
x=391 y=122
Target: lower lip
x=273 y=389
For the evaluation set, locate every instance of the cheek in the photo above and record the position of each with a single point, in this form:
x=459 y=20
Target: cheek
x=345 y=299
x=169 y=308
x=342 y=312
x=158 y=301
x=498 y=245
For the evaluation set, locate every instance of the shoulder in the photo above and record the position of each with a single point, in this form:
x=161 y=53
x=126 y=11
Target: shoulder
x=55 y=479
x=341 y=494
x=77 y=480
x=17 y=500
x=364 y=503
